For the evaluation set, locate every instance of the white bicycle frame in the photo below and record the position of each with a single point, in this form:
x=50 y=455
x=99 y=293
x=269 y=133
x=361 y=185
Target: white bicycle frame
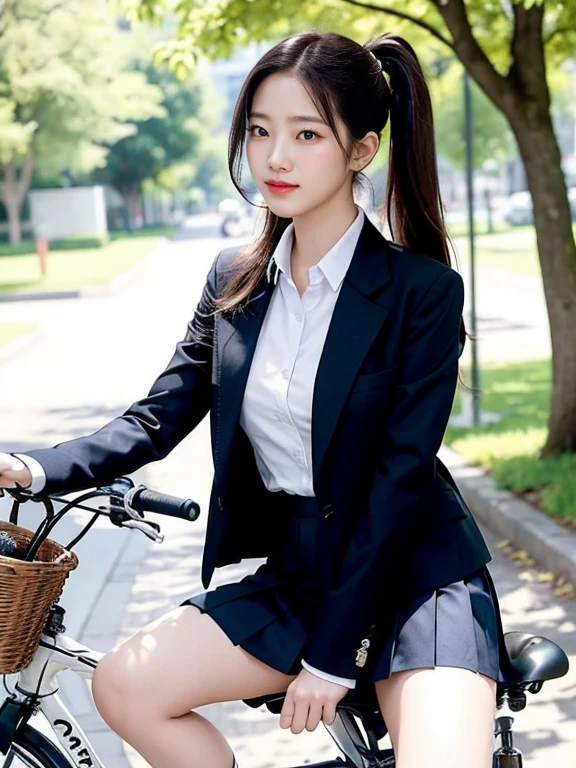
x=39 y=678
x=55 y=655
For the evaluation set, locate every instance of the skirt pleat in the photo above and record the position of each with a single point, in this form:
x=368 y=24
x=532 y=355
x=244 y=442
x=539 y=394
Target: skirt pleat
x=270 y=612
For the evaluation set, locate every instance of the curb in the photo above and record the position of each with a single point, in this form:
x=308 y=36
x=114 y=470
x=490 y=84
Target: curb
x=90 y=291
x=553 y=546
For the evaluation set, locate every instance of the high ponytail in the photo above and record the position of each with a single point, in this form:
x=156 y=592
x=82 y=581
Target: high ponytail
x=413 y=203
x=344 y=81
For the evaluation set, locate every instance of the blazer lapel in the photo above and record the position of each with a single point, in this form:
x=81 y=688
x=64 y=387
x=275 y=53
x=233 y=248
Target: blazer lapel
x=355 y=323
x=237 y=339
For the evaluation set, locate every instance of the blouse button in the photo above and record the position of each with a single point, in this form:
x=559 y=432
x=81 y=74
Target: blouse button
x=298 y=317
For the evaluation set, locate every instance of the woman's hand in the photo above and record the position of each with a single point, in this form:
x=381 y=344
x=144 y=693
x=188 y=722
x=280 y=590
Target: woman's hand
x=310 y=699
x=13 y=472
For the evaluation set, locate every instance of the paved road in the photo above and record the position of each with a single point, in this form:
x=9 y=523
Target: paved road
x=92 y=358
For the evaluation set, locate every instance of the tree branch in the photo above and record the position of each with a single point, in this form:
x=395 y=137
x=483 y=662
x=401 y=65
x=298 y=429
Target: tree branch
x=556 y=32
x=406 y=17
x=528 y=70
x=466 y=47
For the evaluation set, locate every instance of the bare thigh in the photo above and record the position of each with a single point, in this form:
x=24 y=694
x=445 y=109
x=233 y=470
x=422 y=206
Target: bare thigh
x=441 y=716
x=177 y=663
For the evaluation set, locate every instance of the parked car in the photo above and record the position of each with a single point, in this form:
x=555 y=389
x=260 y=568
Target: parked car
x=518 y=208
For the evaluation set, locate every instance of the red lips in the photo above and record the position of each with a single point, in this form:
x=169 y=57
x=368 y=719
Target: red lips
x=280 y=188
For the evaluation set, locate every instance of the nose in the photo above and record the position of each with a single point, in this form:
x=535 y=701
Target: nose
x=279 y=159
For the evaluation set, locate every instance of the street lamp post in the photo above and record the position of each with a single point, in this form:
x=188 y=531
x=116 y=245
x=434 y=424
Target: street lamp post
x=469 y=138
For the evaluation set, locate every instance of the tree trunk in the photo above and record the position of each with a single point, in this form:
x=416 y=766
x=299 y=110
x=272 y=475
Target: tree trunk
x=130 y=194
x=14 y=226
x=523 y=96
x=13 y=191
x=557 y=252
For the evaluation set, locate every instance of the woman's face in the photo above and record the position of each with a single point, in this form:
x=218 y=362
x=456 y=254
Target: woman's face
x=289 y=141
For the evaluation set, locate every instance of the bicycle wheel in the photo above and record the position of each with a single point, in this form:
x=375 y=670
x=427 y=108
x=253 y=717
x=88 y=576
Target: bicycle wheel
x=32 y=749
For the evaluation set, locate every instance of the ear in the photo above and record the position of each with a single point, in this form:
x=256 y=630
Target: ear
x=364 y=150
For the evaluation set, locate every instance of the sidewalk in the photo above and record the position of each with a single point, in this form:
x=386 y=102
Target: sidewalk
x=94 y=357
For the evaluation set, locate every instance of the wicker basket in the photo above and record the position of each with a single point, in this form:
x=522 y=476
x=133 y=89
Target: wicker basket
x=28 y=590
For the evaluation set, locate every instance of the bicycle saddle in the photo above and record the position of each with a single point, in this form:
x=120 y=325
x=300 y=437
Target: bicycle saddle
x=534 y=658
x=361 y=702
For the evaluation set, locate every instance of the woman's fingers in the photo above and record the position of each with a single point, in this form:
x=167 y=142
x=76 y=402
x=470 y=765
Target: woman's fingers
x=314 y=715
x=301 y=710
x=287 y=712
x=310 y=699
x=329 y=712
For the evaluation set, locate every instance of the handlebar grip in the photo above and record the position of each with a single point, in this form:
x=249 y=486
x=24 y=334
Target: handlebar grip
x=171 y=506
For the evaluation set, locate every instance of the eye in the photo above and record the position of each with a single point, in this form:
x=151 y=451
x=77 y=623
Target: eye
x=311 y=134
x=252 y=127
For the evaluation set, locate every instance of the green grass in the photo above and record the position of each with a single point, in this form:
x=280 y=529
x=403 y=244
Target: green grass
x=512 y=249
x=520 y=393
x=460 y=228
x=73 y=269
x=11 y=331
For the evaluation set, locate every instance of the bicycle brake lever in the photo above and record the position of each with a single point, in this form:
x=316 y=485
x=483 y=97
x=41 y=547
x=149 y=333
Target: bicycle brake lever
x=149 y=529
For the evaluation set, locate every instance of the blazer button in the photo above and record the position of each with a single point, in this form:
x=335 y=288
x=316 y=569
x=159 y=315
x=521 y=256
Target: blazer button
x=220 y=503
x=327 y=511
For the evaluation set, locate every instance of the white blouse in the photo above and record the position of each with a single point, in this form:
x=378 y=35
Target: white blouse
x=276 y=411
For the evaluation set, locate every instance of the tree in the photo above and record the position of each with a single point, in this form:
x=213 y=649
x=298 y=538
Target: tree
x=65 y=87
x=160 y=144
x=506 y=48
x=492 y=137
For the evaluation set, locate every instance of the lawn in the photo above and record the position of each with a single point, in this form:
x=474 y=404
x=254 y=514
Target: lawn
x=512 y=249
x=11 y=331
x=520 y=393
x=73 y=269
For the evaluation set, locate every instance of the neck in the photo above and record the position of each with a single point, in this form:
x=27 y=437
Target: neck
x=317 y=231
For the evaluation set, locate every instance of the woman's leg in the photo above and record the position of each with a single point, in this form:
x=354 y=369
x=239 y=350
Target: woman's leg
x=146 y=688
x=439 y=717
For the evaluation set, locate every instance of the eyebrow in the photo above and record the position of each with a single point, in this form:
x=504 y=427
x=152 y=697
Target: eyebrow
x=292 y=118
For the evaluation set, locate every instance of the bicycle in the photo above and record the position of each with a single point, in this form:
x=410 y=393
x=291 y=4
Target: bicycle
x=358 y=726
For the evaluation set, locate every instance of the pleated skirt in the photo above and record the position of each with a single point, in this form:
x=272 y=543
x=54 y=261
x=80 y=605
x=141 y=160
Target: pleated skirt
x=269 y=613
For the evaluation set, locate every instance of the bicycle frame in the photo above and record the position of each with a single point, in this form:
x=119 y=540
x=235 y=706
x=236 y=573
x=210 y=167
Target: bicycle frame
x=37 y=691
x=354 y=731
x=37 y=686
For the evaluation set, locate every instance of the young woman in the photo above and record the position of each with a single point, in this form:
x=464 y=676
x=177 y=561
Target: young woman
x=327 y=357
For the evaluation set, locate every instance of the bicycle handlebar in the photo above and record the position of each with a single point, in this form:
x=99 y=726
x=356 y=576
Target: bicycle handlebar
x=126 y=508
x=145 y=500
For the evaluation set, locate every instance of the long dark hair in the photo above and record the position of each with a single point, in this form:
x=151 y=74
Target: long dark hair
x=343 y=79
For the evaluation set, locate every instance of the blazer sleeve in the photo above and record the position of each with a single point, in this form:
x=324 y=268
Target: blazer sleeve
x=396 y=500
x=151 y=427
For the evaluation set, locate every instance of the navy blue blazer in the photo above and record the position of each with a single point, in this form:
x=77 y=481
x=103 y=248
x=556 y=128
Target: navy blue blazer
x=393 y=520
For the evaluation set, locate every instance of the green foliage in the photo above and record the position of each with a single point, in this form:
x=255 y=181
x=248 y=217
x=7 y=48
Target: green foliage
x=65 y=84
x=164 y=148
x=214 y=28
x=492 y=136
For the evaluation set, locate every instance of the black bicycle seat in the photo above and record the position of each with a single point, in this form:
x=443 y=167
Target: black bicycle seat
x=361 y=702
x=534 y=658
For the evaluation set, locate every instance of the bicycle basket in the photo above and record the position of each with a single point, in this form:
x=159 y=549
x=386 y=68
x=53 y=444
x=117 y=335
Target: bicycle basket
x=28 y=590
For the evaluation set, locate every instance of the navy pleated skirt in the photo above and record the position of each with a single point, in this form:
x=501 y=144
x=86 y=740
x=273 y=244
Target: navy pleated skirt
x=269 y=612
